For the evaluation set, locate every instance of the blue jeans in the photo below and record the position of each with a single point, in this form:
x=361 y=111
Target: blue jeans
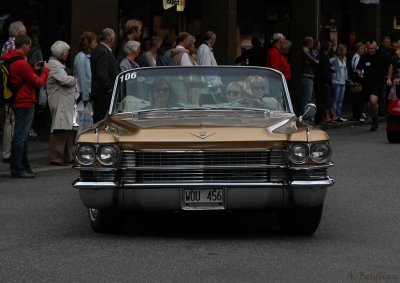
x=19 y=146
x=338 y=94
x=308 y=86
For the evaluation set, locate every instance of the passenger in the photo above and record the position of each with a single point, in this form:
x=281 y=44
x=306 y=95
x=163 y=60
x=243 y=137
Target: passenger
x=234 y=93
x=255 y=86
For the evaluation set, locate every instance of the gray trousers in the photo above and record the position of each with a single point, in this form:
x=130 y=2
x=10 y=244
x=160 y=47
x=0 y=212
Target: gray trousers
x=61 y=146
x=8 y=130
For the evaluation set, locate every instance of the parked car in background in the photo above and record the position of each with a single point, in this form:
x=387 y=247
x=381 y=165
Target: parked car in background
x=393 y=121
x=204 y=138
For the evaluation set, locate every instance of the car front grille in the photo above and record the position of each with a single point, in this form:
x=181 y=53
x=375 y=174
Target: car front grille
x=207 y=167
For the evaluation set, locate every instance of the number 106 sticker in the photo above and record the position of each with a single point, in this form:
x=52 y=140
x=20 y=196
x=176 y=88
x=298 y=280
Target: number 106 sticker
x=128 y=76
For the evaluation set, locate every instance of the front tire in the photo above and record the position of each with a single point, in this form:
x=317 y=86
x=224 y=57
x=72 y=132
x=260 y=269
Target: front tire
x=105 y=221
x=300 y=221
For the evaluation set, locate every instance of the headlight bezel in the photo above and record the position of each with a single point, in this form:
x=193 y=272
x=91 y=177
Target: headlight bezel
x=328 y=153
x=79 y=154
x=97 y=159
x=115 y=152
x=309 y=156
x=291 y=154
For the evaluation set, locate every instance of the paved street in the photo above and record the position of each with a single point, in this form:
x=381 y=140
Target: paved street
x=45 y=234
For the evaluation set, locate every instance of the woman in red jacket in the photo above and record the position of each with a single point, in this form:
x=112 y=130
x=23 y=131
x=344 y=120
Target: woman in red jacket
x=275 y=58
x=25 y=80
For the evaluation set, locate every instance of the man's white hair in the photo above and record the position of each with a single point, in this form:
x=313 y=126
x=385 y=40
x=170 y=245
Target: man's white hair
x=16 y=28
x=59 y=48
x=107 y=34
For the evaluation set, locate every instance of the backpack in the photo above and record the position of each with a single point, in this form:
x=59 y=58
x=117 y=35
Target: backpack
x=7 y=89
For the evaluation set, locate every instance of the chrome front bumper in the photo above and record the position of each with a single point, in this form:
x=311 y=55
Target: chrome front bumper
x=168 y=196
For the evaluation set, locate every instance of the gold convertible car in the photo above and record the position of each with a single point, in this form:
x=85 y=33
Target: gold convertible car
x=204 y=138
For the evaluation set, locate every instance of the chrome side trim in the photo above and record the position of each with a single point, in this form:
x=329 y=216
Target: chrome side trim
x=316 y=183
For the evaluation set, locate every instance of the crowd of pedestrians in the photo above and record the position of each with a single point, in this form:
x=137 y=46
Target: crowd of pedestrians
x=89 y=82
x=326 y=71
x=330 y=70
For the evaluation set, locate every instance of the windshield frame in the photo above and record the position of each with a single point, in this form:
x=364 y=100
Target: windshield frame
x=210 y=71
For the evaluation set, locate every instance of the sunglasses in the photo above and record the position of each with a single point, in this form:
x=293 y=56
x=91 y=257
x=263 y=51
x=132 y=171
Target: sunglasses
x=162 y=89
x=257 y=87
x=233 y=93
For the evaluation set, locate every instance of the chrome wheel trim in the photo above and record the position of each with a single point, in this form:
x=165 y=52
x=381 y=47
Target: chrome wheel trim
x=93 y=213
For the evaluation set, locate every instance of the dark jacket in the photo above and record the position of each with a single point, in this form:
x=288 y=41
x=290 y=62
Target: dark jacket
x=309 y=63
x=375 y=69
x=323 y=74
x=105 y=69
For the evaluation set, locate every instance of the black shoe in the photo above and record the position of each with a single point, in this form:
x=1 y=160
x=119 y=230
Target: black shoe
x=374 y=126
x=25 y=175
x=6 y=160
x=58 y=163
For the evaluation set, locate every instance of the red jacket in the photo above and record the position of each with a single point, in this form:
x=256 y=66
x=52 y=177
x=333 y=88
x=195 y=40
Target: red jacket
x=278 y=61
x=22 y=74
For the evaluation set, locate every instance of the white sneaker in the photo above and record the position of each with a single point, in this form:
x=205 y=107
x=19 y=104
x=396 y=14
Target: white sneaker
x=341 y=119
x=361 y=120
x=32 y=133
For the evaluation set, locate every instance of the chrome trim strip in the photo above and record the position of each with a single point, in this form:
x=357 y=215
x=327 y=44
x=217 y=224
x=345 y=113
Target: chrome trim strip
x=94 y=185
x=316 y=183
x=101 y=169
x=311 y=167
x=199 y=167
x=203 y=185
x=111 y=185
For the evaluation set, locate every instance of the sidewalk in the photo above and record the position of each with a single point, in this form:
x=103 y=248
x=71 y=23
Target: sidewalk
x=348 y=114
x=38 y=158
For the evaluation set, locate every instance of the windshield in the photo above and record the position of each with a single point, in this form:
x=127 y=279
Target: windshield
x=200 y=87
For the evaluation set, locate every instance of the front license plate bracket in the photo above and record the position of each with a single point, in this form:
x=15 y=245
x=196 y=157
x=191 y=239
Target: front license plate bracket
x=203 y=199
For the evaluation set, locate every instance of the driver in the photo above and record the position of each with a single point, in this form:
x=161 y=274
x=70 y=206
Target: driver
x=161 y=95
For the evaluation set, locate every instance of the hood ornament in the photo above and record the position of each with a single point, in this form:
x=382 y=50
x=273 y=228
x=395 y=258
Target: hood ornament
x=202 y=134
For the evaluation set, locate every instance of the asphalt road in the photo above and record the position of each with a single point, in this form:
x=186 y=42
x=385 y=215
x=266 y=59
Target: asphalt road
x=45 y=234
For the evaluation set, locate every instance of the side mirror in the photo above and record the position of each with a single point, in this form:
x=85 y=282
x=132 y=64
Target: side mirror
x=309 y=113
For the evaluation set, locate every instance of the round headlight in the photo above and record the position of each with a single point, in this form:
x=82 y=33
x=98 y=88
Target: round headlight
x=107 y=154
x=85 y=154
x=298 y=153
x=320 y=152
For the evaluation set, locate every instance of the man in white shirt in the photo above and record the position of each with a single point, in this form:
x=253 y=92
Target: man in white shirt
x=205 y=54
x=180 y=55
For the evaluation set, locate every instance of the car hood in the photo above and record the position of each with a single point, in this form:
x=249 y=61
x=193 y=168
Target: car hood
x=200 y=129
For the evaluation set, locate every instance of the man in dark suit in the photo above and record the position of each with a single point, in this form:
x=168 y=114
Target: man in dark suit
x=105 y=69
